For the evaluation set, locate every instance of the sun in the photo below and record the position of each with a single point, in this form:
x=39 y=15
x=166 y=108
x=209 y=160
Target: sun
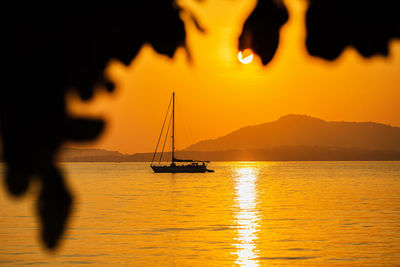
x=246 y=56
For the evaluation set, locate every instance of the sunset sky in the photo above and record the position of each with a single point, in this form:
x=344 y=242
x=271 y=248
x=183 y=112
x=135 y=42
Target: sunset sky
x=216 y=94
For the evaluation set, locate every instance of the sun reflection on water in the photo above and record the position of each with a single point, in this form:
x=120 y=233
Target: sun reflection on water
x=247 y=216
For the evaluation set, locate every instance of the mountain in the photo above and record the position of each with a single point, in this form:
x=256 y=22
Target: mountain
x=292 y=137
x=294 y=153
x=304 y=131
x=288 y=153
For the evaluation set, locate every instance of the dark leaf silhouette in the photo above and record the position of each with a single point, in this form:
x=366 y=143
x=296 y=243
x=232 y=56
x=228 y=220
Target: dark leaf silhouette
x=367 y=25
x=261 y=29
x=50 y=48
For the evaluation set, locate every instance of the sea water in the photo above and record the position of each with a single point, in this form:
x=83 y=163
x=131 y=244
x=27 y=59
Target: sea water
x=244 y=214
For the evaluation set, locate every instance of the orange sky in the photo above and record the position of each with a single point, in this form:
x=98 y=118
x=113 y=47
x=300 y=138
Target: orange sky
x=216 y=94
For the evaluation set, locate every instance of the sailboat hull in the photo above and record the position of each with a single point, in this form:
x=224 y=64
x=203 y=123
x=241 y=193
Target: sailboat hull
x=180 y=169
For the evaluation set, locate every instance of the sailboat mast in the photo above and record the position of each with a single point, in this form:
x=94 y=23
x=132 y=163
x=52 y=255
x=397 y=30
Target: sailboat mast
x=173 y=126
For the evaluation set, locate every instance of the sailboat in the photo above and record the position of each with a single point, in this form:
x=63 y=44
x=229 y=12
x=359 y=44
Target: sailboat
x=176 y=165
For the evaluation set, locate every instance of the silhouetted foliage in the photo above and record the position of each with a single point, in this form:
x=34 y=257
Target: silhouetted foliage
x=332 y=25
x=261 y=29
x=366 y=25
x=50 y=48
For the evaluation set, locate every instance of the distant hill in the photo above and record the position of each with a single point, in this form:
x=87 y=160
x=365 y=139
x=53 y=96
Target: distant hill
x=293 y=153
x=305 y=131
x=289 y=153
x=90 y=155
x=292 y=137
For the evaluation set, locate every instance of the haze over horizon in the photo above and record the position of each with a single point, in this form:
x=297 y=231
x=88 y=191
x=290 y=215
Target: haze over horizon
x=217 y=95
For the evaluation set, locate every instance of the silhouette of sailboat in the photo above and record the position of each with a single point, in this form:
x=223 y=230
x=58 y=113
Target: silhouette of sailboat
x=177 y=165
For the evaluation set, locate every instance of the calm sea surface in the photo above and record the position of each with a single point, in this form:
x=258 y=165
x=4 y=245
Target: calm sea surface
x=244 y=214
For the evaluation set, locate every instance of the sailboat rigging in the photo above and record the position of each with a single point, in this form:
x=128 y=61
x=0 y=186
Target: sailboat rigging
x=177 y=165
